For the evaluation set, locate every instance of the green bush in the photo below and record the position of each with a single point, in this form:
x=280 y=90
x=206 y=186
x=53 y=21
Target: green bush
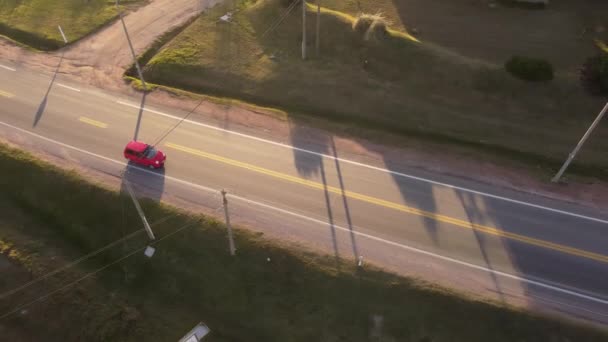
x=604 y=73
x=594 y=74
x=529 y=69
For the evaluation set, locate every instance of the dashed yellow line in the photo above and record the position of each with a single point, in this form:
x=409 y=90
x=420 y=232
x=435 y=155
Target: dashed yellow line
x=6 y=94
x=93 y=122
x=396 y=206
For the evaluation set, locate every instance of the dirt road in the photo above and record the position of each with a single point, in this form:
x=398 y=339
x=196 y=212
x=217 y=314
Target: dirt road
x=100 y=59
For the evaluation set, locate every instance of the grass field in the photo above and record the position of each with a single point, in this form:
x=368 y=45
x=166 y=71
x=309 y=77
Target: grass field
x=476 y=30
x=408 y=88
x=50 y=217
x=34 y=22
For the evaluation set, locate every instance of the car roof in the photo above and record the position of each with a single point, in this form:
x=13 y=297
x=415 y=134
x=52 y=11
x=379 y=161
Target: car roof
x=137 y=146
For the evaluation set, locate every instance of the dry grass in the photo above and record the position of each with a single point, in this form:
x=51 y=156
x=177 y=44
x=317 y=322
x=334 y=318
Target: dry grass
x=34 y=22
x=408 y=88
x=473 y=29
x=371 y=26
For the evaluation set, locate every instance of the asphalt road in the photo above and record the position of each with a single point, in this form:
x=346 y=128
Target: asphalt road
x=549 y=254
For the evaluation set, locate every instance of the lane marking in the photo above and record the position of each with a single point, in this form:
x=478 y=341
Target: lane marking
x=7 y=68
x=6 y=94
x=395 y=206
x=68 y=87
x=540 y=283
x=400 y=174
x=93 y=122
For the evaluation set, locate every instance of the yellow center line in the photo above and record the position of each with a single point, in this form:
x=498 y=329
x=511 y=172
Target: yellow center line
x=93 y=122
x=6 y=94
x=395 y=206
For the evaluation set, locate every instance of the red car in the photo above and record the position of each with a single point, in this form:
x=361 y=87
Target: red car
x=145 y=155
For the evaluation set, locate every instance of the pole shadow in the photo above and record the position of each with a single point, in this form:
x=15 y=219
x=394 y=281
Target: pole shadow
x=349 y=220
x=310 y=164
x=44 y=101
x=469 y=204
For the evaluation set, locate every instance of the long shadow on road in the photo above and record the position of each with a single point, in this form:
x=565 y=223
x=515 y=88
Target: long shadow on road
x=309 y=165
x=44 y=101
x=473 y=212
x=419 y=195
x=312 y=163
x=349 y=220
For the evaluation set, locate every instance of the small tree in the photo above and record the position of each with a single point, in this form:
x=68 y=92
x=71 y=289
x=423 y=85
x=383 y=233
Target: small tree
x=529 y=69
x=594 y=74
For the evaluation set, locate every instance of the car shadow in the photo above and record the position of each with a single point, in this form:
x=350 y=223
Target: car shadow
x=146 y=183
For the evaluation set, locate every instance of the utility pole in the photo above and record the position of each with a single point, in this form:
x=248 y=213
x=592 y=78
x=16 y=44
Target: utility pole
x=137 y=206
x=579 y=145
x=230 y=237
x=303 y=29
x=318 y=40
x=141 y=76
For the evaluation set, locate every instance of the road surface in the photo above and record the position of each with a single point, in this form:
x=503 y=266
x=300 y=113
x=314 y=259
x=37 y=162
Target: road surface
x=522 y=248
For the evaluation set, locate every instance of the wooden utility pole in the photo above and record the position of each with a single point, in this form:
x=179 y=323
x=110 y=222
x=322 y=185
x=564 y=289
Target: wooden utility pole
x=303 y=29
x=317 y=41
x=571 y=156
x=230 y=236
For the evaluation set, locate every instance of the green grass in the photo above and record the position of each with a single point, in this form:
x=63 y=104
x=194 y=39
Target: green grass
x=34 y=22
x=409 y=88
x=49 y=216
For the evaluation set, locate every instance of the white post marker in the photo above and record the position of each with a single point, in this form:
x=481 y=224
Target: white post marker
x=196 y=334
x=65 y=40
x=149 y=252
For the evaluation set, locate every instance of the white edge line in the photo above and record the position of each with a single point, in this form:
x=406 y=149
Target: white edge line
x=7 y=68
x=431 y=254
x=371 y=237
x=559 y=303
x=506 y=199
x=68 y=87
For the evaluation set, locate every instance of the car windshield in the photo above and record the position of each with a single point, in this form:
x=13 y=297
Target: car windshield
x=150 y=152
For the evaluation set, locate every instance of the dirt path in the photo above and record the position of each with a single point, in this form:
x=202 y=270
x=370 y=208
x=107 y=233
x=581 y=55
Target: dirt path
x=100 y=59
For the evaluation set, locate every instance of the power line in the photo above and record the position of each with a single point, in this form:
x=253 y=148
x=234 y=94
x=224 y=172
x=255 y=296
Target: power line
x=75 y=262
x=164 y=135
x=276 y=24
x=88 y=275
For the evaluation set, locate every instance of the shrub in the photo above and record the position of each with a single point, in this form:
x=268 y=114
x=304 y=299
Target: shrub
x=604 y=73
x=529 y=69
x=525 y=4
x=594 y=74
x=370 y=26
